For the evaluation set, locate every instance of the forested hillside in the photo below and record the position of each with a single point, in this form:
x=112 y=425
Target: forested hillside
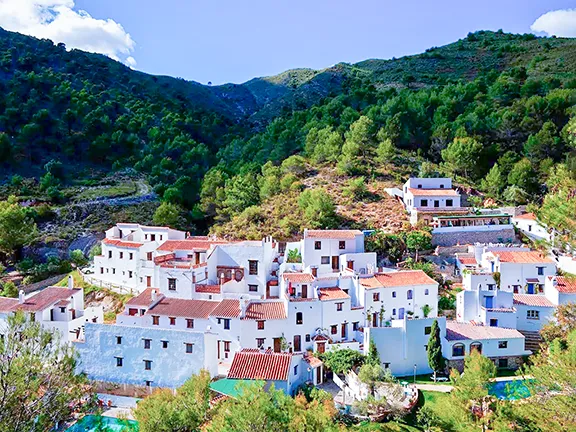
x=493 y=110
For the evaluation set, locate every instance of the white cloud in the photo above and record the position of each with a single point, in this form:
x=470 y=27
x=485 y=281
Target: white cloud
x=558 y=23
x=57 y=20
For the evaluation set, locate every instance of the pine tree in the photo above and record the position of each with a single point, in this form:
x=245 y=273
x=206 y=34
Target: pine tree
x=434 y=348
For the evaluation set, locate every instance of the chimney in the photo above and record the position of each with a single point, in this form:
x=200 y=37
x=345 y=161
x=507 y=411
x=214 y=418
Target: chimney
x=554 y=281
x=21 y=297
x=153 y=296
x=70 y=282
x=243 y=306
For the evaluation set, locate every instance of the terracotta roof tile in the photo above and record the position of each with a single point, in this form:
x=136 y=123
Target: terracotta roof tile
x=122 y=243
x=45 y=298
x=313 y=361
x=268 y=366
x=397 y=278
x=266 y=311
x=332 y=293
x=465 y=331
x=7 y=304
x=227 y=309
x=532 y=300
x=433 y=192
x=566 y=285
x=467 y=259
x=522 y=257
x=191 y=244
x=529 y=216
x=298 y=277
x=332 y=234
x=144 y=298
x=208 y=289
x=184 y=308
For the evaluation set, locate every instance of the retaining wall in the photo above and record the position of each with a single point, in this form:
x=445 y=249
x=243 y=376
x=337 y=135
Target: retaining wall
x=467 y=237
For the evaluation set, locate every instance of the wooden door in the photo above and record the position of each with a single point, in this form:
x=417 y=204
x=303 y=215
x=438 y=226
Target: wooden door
x=297 y=345
x=335 y=263
x=350 y=265
x=343 y=332
x=148 y=281
x=304 y=291
x=321 y=347
x=277 y=344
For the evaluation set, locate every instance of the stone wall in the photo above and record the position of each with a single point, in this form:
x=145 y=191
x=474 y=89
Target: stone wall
x=454 y=238
x=514 y=362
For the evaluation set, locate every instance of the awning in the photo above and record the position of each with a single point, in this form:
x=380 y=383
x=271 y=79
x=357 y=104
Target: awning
x=532 y=280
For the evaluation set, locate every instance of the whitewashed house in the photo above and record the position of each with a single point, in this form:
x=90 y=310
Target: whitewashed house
x=425 y=198
x=529 y=225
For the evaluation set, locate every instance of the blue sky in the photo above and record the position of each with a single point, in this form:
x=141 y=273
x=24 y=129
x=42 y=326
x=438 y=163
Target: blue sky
x=233 y=41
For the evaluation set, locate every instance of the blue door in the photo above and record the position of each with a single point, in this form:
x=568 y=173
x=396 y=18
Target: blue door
x=530 y=288
x=489 y=302
x=401 y=313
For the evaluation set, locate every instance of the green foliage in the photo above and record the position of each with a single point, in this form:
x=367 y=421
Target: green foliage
x=373 y=356
x=95 y=251
x=319 y=209
x=371 y=374
x=294 y=256
x=462 y=156
x=168 y=214
x=9 y=289
x=17 y=229
x=418 y=240
x=77 y=258
x=523 y=176
x=388 y=245
x=38 y=383
x=341 y=361
x=356 y=189
x=436 y=360
x=494 y=182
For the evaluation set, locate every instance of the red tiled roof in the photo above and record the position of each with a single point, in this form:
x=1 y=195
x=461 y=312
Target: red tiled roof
x=465 y=331
x=208 y=289
x=466 y=260
x=227 y=309
x=184 y=308
x=63 y=303
x=298 y=277
x=433 y=192
x=189 y=244
x=522 y=257
x=313 y=361
x=529 y=216
x=398 y=278
x=269 y=366
x=566 y=285
x=7 y=304
x=332 y=234
x=332 y=293
x=122 y=243
x=144 y=298
x=45 y=298
x=266 y=311
x=532 y=300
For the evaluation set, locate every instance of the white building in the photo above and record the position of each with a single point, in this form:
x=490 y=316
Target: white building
x=529 y=225
x=425 y=198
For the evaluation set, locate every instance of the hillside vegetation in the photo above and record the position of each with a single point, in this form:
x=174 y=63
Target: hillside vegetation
x=304 y=148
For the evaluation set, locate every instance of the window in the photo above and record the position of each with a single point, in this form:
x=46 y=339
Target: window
x=436 y=203
x=101 y=270
x=503 y=363
x=165 y=344
x=252 y=267
x=62 y=310
x=339 y=307
x=130 y=274
x=109 y=254
x=147 y=364
x=419 y=186
x=355 y=326
x=226 y=324
x=253 y=288
x=333 y=329
x=131 y=255
x=148 y=383
x=324 y=260
x=147 y=343
x=476 y=346
x=119 y=361
x=409 y=295
x=341 y=245
x=295 y=370
x=307 y=338
x=502 y=344
x=427 y=330
x=393 y=294
x=149 y=256
x=530 y=228
x=172 y=320
x=424 y=203
x=172 y=284
x=118 y=340
x=260 y=325
x=226 y=346
x=540 y=271
x=376 y=297
x=299 y=318
x=155 y=320
x=153 y=237
x=491 y=287
x=386 y=365
x=449 y=203
x=189 y=348
x=121 y=255
x=493 y=322
x=113 y=271
x=317 y=245
x=189 y=323
x=426 y=291
x=394 y=312
x=260 y=342
x=533 y=314
x=458 y=350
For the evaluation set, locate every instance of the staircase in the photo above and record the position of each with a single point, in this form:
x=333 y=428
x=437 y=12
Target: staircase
x=532 y=340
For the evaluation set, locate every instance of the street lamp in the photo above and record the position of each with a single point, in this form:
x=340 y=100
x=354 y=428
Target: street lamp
x=415 y=366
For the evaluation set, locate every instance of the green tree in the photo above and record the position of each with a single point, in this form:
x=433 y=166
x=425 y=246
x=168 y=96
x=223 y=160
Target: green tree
x=493 y=183
x=524 y=176
x=373 y=356
x=436 y=360
x=38 y=383
x=371 y=374
x=242 y=191
x=544 y=144
x=418 y=240
x=168 y=214
x=564 y=323
x=77 y=257
x=359 y=143
x=462 y=156
x=9 y=289
x=388 y=245
x=385 y=152
x=17 y=229
x=340 y=361
x=319 y=209
x=356 y=189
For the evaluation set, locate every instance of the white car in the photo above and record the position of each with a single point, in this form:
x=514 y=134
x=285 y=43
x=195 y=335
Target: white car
x=439 y=378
